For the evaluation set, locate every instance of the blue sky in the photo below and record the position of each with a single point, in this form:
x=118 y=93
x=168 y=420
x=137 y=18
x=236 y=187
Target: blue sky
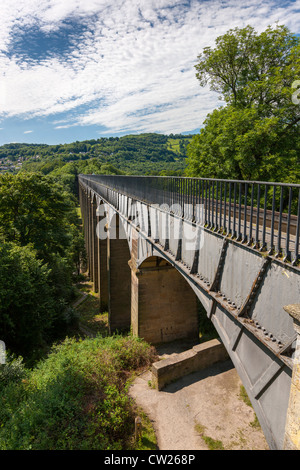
x=81 y=69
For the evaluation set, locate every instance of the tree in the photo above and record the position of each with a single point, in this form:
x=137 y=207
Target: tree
x=256 y=134
x=247 y=68
x=38 y=255
x=27 y=303
x=35 y=209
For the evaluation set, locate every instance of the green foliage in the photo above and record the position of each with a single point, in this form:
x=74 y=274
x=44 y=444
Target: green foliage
x=40 y=248
x=76 y=399
x=244 y=397
x=35 y=209
x=212 y=444
x=12 y=372
x=27 y=304
x=248 y=68
x=147 y=440
x=207 y=330
x=131 y=154
x=238 y=144
x=256 y=135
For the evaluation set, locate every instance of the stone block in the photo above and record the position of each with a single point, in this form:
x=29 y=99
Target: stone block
x=199 y=357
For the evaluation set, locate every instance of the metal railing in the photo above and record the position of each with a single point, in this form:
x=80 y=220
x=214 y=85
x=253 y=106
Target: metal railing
x=263 y=215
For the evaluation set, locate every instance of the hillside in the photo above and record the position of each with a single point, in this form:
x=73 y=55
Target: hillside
x=132 y=154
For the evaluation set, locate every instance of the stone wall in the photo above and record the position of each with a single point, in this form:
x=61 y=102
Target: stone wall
x=195 y=359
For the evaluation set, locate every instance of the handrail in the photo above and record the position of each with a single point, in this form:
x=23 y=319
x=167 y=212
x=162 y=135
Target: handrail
x=264 y=215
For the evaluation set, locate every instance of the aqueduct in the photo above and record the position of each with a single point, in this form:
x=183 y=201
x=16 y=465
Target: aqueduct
x=155 y=245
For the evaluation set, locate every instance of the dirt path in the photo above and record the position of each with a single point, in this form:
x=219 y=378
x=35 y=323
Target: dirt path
x=200 y=409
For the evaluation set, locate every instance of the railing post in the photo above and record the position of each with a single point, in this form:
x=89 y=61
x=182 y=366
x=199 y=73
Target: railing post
x=279 y=250
x=272 y=246
x=234 y=211
x=296 y=256
x=245 y=213
x=256 y=245
x=239 y=238
x=251 y=217
x=263 y=244
x=287 y=244
x=226 y=211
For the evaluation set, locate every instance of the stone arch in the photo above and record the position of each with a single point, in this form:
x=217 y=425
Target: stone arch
x=89 y=192
x=204 y=300
x=163 y=305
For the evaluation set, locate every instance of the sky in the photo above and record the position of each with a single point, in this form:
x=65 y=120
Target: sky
x=84 y=69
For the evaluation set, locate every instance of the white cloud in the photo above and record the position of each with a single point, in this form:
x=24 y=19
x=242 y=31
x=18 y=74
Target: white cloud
x=133 y=67
x=28 y=132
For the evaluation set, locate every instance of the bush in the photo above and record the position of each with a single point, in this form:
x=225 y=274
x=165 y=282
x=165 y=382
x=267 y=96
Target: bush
x=27 y=304
x=76 y=398
x=12 y=371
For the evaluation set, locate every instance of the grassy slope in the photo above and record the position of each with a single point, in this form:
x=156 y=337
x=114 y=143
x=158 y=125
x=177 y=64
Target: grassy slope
x=77 y=397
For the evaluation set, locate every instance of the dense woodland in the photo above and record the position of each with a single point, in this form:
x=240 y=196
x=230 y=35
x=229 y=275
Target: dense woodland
x=59 y=389
x=40 y=233
x=155 y=154
x=42 y=258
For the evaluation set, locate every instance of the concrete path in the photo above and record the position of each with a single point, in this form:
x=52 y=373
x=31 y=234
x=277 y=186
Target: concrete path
x=202 y=404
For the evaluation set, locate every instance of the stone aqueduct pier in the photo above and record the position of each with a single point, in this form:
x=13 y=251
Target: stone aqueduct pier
x=157 y=246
